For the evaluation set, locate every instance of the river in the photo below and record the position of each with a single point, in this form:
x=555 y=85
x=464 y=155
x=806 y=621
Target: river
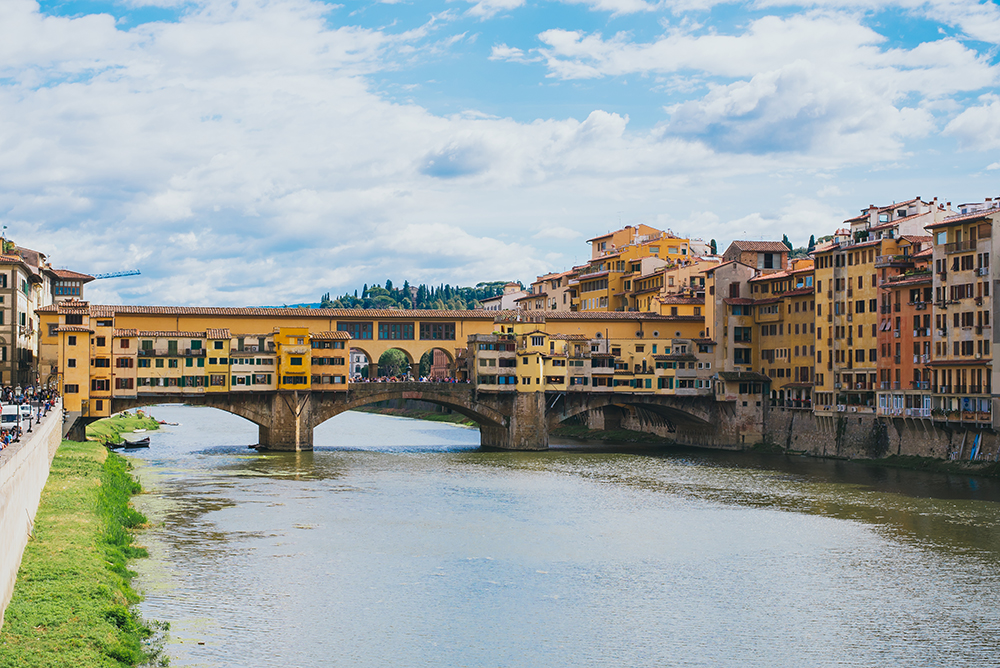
x=399 y=543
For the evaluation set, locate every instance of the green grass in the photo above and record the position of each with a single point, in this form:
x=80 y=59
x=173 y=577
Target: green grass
x=110 y=429
x=73 y=604
x=433 y=416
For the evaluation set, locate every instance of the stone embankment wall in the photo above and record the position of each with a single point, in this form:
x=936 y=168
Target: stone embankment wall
x=24 y=467
x=870 y=437
x=848 y=435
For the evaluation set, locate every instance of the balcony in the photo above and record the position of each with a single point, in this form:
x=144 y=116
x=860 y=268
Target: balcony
x=893 y=260
x=920 y=385
x=194 y=352
x=960 y=247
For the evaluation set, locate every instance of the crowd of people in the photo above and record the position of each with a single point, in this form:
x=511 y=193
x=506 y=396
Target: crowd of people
x=407 y=379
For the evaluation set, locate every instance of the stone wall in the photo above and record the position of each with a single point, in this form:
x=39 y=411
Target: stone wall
x=869 y=437
x=24 y=467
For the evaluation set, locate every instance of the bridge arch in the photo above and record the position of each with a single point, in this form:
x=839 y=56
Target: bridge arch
x=255 y=408
x=364 y=394
x=692 y=412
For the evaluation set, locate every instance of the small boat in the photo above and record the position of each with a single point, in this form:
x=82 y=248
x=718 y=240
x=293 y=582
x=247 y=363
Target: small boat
x=144 y=443
x=138 y=431
x=171 y=424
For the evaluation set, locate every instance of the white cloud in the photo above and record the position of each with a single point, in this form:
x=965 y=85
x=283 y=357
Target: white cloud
x=978 y=127
x=488 y=8
x=556 y=232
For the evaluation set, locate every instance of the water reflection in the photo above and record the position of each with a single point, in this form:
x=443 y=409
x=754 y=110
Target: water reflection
x=401 y=543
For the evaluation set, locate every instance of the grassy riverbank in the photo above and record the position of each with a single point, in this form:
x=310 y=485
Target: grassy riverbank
x=73 y=602
x=110 y=429
x=433 y=416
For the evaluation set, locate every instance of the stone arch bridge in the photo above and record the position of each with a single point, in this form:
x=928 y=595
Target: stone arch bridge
x=507 y=420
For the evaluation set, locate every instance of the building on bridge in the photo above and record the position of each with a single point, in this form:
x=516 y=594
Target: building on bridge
x=95 y=354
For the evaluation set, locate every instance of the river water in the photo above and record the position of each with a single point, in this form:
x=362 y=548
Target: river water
x=399 y=543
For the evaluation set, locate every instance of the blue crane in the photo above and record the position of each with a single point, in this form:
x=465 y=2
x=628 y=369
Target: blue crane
x=118 y=274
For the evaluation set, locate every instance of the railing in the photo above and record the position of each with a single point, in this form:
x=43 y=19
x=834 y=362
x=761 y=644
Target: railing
x=918 y=412
x=920 y=384
x=960 y=246
x=194 y=352
x=886 y=260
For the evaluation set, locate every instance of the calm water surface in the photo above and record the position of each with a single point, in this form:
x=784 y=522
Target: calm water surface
x=399 y=543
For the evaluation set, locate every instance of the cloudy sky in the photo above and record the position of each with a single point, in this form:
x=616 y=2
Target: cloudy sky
x=267 y=151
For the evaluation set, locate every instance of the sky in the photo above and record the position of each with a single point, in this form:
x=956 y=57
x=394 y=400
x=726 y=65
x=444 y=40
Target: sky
x=245 y=152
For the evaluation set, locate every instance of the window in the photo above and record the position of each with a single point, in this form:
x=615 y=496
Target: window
x=218 y=345
x=172 y=363
x=100 y=342
x=74 y=319
x=70 y=389
x=395 y=331
x=538 y=340
x=159 y=363
x=100 y=385
x=195 y=344
x=295 y=361
x=71 y=363
x=742 y=334
x=357 y=330
x=143 y=362
x=100 y=362
x=71 y=340
x=742 y=356
x=125 y=344
x=217 y=380
x=124 y=383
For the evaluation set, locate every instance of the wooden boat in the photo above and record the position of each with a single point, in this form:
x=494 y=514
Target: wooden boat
x=138 y=431
x=143 y=443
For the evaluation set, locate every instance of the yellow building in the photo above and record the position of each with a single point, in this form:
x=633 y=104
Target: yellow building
x=784 y=309
x=617 y=259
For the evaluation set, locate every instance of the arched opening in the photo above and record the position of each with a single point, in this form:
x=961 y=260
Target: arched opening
x=360 y=364
x=437 y=364
x=393 y=364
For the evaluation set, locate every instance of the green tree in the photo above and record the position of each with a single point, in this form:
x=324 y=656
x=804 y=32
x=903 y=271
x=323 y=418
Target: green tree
x=393 y=362
x=784 y=240
x=812 y=242
x=714 y=248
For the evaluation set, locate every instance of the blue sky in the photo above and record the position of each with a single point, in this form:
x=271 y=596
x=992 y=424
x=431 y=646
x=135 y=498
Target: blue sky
x=268 y=151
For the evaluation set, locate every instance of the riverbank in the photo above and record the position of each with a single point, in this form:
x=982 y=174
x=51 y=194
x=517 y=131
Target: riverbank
x=73 y=601
x=110 y=429
x=431 y=416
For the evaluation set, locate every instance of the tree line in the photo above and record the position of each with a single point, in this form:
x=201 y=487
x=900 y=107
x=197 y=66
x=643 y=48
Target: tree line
x=444 y=297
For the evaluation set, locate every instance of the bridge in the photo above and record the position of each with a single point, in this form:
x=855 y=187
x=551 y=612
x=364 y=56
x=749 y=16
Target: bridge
x=507 y=420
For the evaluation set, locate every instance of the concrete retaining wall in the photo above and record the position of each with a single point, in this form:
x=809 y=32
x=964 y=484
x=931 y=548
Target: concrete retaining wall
x=24 y=468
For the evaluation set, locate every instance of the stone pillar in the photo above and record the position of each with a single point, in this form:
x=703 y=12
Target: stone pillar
x=291 y=425
x=527 y=428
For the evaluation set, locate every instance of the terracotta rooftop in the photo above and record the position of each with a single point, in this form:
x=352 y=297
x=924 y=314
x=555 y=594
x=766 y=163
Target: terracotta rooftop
x=73 y=328
x=68 y=275
x=220 y=333
x=962 y=218
x=330 y=336
x=765 y=246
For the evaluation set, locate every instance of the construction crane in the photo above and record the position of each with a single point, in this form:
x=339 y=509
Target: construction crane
x=118 y=274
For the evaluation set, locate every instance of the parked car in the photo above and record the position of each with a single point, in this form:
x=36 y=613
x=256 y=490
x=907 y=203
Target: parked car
x=9 y=415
